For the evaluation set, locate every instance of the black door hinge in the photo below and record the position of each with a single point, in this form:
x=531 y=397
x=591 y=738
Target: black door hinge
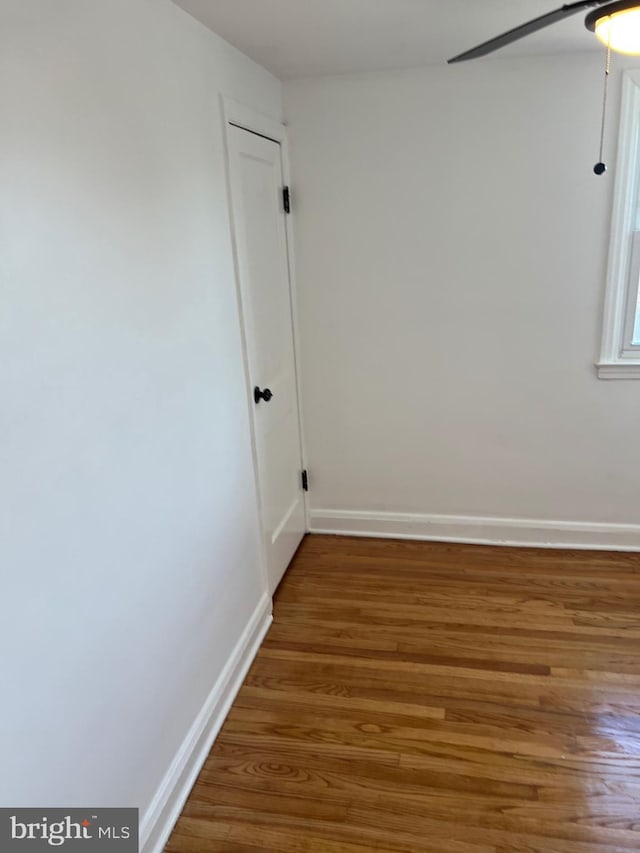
x=305 y=480
x=286 y=199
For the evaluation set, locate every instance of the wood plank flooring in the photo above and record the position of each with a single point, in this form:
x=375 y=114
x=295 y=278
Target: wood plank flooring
x=434 y=697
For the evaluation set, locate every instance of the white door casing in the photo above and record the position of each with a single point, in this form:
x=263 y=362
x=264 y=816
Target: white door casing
x=256 y=183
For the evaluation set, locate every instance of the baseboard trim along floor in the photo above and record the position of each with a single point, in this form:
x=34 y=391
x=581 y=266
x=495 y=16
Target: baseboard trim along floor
x=157 y=823
x=522 y=532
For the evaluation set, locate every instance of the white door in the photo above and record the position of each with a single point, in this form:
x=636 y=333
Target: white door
x=263 y=268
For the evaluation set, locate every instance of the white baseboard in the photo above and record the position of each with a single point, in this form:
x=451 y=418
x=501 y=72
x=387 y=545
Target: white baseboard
x=158 y=821
x=529 y=532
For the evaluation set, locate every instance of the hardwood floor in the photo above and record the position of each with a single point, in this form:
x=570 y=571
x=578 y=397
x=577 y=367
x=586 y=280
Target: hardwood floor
x=434 y=697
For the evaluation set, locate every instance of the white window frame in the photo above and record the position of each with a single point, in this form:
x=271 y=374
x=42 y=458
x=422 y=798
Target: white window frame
x=620 y=358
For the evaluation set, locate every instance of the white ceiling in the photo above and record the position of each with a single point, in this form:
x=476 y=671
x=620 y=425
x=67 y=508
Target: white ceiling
x=300 y=38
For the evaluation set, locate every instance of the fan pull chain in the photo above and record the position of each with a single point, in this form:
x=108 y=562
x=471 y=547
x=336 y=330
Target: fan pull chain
x=600 y=168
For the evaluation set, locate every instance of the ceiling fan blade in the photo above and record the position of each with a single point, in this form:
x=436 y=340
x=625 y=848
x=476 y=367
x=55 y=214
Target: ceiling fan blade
x=526 y=29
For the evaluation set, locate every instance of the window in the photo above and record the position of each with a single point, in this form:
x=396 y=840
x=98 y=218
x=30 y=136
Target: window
x=620 y=357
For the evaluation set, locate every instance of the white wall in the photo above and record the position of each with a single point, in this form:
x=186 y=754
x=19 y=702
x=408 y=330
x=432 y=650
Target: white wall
x=129 y=538
x=451 y=257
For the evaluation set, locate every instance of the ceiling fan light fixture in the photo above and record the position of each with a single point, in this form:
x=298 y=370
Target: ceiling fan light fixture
x=617 y=25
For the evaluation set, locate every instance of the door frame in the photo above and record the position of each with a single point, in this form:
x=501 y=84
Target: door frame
x=238 y=115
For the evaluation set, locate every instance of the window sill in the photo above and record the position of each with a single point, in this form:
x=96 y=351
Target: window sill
x=618 y=369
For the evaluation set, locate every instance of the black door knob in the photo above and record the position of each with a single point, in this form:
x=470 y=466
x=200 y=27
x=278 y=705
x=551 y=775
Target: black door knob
x=265 y=395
